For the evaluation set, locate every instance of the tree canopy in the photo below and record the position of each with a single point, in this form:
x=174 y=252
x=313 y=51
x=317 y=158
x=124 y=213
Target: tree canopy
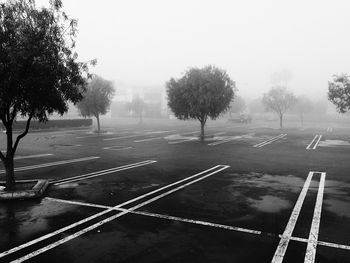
x=279 y=100
x=97 y=98
x=137 y=106
x=339 y=92
x=237 y=105
x=302 y=106
x=201 y=93
x=39 y=72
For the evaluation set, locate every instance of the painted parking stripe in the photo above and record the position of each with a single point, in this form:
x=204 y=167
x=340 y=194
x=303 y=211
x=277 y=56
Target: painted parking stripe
x=83 y=221
x=149 y=139
x=313 y=236
x=123 y=137
x=182 y=141
x=286 y=236
x=103 y=172
x=271 y=140
x=33 y=156
x=117 y=148
x=228 y=227
x=30 y=167
x=314 y=143
x=108 y=219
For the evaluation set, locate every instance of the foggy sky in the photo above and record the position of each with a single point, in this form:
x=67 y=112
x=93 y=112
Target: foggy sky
x=146 y=43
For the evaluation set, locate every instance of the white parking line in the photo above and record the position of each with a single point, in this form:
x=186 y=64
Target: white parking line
x=108 y=219
x=123 y=137
x=181 y=141
x=25 y=168
x=39 y=239
x=117 y=148
x=149 y=139
x=103 y=172
x=313 y=237
x=314 y=143
x=271 y=140
x=33 y=156
x=286 y=236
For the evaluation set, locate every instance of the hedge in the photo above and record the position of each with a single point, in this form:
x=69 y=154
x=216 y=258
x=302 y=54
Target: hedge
x=67 y=123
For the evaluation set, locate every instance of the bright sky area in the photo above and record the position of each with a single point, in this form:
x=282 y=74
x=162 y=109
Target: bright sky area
x=145 y=43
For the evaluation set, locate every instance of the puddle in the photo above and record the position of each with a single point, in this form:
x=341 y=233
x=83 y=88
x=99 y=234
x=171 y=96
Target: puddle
x=338 y=207
x=117 y=148
x=270 y=204
x=333 y=143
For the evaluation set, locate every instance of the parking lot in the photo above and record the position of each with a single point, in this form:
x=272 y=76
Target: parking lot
x=248 y=193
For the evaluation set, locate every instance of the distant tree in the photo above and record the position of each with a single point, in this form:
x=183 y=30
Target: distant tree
x=302 y=106
x=97 y=99
x=200 y=93
x=137 y=106
x=256 y=106
x=237 y=105
x=39 y=73
x=339 y=92
x=279 y=100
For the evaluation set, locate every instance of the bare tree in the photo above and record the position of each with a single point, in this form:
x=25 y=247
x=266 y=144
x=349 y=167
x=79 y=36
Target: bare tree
x=279 y=100
x=303 y=105
x=137 y=106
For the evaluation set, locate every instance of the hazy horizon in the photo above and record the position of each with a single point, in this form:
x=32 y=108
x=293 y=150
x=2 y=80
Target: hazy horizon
x=145 y=43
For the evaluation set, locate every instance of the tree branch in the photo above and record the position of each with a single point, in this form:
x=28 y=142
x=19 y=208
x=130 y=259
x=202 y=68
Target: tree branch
x=19 y=137
x=2 y=157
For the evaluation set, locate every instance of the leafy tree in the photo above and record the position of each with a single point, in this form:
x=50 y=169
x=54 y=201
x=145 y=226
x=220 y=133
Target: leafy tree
x=137 y=106
x=39 y=73
x=303 y=105
x=339 y=92
x=97 y=99
x=200 y=93
x=237 y=105
x=279 y=100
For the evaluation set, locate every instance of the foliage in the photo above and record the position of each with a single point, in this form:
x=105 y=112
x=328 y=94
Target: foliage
x=339 y=92
x=200 y=93
x=279 y=100
x=97 y=98
x=39 y=72
x=137 y=106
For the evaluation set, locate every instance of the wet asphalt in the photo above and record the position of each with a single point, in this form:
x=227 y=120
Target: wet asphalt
x=257 y=192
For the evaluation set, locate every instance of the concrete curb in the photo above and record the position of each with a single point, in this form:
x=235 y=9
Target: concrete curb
x=36 y=192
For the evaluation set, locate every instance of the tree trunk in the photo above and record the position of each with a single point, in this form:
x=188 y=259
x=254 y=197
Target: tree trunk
x=281 y=121
x=10 y=174
x=140 y=120
x=98 y=123
x=202 y=130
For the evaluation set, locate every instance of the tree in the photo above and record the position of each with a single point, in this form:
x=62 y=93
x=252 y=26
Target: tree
x=279 y=100
x=237 y=105
x=302 y=106
x=200 y=93
x=339 y=92
x=39 y=73
x=281 y=78
x=137 y=106
x=97 y=99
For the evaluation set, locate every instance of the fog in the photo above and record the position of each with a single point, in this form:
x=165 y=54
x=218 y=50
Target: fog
x=144 y=43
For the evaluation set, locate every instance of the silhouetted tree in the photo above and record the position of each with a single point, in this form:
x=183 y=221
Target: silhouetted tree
x=339 y=92
x=97 y=99
x=302 y=106
x=200 y=93
x=279 y=100
x=39 y=73
x=137 y=106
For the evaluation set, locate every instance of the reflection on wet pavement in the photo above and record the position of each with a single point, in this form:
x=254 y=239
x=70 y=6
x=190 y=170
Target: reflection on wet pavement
x=333 y=143
x=270 y=204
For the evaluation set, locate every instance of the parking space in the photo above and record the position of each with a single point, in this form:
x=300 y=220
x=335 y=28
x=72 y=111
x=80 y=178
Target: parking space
x=245 y=194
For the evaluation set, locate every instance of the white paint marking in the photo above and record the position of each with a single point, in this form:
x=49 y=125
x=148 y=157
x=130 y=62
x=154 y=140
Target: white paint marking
x=271 y=140
x=283 y=244
x=61 y=230
x=311 y=143
x=102 y=222
x=24 y=168
x=149 y=139
x=313 y=236
x=33 y=156
x=103 y=172
x=257 y=232
x=123 y=137
x=117 y=148
x=158 y=132
x=319 y=138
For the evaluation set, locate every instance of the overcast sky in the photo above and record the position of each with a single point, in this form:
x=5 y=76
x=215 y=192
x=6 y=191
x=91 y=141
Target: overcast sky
x=148 y=42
